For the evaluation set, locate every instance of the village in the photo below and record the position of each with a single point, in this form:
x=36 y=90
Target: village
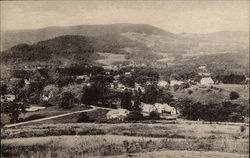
x=122 y=80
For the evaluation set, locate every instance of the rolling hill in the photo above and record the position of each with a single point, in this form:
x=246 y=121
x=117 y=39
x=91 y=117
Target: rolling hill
x=139 y=42
x=12 y=38
x=68 y=49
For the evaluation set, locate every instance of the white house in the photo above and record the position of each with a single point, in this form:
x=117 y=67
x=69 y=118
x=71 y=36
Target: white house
x=147 y=108
x=175 y=82
x=165 y=109
x=127 y=73
x=83 y=77
x=206 y=81
x=160 y=108
x=119 y=114
x=202 y=67
x=162 y=83
x=205 y=74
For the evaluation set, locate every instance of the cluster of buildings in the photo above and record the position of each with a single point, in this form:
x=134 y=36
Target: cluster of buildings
x=164 y=110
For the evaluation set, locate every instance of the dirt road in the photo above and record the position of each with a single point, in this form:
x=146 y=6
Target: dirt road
x=56 y=116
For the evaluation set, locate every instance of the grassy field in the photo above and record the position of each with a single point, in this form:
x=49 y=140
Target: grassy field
x=110 y=58
x=97 y=115
x=182 y=154
x=98 y=140
x=47 y=112
x=218 y=93
x=52 y=111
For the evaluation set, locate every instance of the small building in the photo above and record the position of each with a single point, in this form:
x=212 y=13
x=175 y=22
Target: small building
x=117 y=114
x=203 y=67
x=206 y=81
x=175 y=82
x=83 y=78
x=8 y=98
x=165 y=109
x=127 y=73
x=162 y=109
x=204 y=74
x=26 y=81
x=121 y=86
x=147 y=108
x=162 y=83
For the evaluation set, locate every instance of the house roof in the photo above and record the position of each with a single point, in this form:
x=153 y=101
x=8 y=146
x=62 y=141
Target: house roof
x=207 y=80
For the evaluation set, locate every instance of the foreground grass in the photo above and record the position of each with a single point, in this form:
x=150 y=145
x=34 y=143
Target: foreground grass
x=108 y=145
x=177 y=130
x=98 y=140
x=183 y=154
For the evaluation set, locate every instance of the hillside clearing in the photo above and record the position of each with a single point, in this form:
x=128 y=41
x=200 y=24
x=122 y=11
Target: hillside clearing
x=109 y=58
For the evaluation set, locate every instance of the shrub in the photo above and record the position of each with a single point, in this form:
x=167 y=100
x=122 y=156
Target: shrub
x=176 y=87
x=154 y=115
x=83 y=117
x=134 y=116
x=234 y=95
x=242 y=128
x=184 y=86
x=190 y=91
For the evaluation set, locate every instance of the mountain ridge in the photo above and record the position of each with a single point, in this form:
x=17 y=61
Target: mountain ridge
x=11 y=38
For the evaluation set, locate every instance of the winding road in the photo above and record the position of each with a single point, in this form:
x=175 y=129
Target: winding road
x=56 y=116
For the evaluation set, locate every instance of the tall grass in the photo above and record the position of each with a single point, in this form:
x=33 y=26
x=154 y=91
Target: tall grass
x=86 y=146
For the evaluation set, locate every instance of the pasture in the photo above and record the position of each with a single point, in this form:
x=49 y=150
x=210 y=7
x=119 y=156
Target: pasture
x=179 y=139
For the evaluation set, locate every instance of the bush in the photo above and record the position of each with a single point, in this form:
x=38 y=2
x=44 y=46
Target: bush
x=154 y=115
x=83 y=117
x=190 y=91
x=176 y=87
x=242 y=128
x=234 y=95
x=134 y=116
x=184 y=86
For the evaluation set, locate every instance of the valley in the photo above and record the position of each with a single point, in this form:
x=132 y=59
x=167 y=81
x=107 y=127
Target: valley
x=124 y=90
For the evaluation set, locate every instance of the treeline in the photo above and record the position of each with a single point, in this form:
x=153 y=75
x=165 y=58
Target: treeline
x=223 y=112
x=230 y=78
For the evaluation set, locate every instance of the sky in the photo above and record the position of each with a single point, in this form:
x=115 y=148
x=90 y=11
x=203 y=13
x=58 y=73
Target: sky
x=173 y=16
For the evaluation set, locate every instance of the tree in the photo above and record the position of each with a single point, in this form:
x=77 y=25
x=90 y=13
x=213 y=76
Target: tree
x=135 y=116
x=98 y=91
x=164 y=96
x=3 y=89
x=137 y=106
x=13 y=110
x=154 y=115
x=90 y=95
x=150 y=94
x=127 y=80
x=154 y=93
x=234 y=95
x=126 y=100
x=66 y=100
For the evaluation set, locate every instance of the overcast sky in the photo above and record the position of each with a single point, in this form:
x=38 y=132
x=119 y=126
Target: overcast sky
x=173 y=16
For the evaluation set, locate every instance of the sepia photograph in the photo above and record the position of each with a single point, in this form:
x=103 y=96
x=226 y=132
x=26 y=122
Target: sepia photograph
x=119 y=79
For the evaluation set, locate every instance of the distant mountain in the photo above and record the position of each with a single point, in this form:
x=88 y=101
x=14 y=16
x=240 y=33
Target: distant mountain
x=68 y=49
x=140 y=42
x=12 y=38
x=236 y=37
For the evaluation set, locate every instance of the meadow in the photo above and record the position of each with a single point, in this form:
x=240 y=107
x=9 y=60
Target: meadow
x=127 y=139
